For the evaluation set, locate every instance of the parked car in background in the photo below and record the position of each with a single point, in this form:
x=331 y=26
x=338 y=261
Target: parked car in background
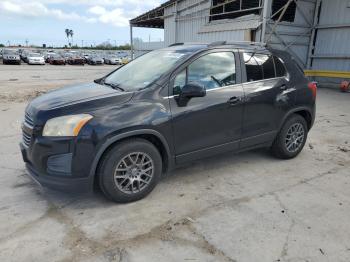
x=35 y=59
x=11 y=57
x=125 y=60
x=75 y=60
x=47 y=56
x=95 y=60
x=24 y=55
x=56 y=59
x=113 y=60
x=86 y=57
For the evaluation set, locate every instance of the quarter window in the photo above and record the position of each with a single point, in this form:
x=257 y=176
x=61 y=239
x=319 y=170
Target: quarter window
x=179 y=82
x=280 y=68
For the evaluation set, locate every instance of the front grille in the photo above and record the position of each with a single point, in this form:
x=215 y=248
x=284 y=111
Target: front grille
x=28 y=120
x=26 y=139
x=27 y=129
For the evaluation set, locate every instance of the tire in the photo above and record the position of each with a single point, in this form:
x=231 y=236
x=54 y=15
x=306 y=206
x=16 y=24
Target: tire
x=131 y=184
x=289 y=144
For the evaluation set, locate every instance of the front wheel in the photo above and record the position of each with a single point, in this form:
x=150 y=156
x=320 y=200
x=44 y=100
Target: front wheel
x=130 y=170
x=291 y=139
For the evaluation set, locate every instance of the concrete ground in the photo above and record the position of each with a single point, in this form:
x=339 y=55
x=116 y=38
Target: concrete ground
x=247 y=207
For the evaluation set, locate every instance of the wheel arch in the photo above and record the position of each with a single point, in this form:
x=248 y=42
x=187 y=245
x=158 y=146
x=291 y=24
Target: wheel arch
x=153 y=136
x=305 y=112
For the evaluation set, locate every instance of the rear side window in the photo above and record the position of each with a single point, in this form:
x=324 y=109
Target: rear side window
x=261 y=66
x=266 y=61
x=253 y=68
x=280 y=68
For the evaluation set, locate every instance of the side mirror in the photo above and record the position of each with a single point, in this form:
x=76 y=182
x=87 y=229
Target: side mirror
x=193 y=90
x=189 y=91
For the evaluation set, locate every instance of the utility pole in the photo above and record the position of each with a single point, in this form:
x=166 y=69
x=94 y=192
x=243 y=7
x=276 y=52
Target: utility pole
x=82 y=43
x=27 y=42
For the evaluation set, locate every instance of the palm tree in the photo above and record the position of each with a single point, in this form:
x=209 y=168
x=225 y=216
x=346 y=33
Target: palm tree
x=67 y=31
x=71 y=34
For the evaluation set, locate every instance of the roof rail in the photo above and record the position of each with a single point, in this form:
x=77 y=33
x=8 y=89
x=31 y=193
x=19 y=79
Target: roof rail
x=216 y=43
x=176 y=44
x=237 y=42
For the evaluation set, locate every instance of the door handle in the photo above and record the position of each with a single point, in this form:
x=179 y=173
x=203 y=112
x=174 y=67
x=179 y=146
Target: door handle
x=234 y=100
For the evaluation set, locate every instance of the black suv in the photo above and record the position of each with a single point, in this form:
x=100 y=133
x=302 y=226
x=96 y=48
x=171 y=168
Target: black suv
x=165 y=108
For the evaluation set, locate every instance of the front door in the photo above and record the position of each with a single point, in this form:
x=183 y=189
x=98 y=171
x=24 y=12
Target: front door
x=210 y=124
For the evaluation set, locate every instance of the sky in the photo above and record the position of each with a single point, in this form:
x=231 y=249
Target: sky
x=93 y=21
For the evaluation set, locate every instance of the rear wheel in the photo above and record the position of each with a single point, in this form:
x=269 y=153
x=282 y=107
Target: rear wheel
x=291 y=139
x=130 y=170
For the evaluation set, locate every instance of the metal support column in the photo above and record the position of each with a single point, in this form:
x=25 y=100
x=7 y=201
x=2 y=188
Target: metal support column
x=313 y=31
x=175 y=23
x=265 y=16
x=131 y=43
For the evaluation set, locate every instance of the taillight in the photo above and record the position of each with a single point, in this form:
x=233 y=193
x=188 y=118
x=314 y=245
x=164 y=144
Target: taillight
x=313 y=88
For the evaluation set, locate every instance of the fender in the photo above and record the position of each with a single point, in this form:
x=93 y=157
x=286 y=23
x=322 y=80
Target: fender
x=292 y=111
x=121 y=136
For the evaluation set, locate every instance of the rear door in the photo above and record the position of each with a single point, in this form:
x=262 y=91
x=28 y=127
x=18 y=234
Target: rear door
x=266 y=97
x=210 y=124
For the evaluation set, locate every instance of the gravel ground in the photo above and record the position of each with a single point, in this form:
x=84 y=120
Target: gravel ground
x=246 y=207
x=18 y=83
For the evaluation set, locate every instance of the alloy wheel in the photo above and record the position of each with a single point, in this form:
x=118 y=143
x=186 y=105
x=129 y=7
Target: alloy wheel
x=295 y=137
x=134 y=172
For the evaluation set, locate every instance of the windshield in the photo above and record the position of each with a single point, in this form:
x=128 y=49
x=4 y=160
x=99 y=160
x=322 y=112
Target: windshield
x=144 y=70
x=10 y=52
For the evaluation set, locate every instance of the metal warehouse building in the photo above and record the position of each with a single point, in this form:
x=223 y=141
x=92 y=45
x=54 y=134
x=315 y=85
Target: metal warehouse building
x=315 y=32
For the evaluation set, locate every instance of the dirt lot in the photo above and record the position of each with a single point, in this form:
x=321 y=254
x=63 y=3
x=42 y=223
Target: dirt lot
x=248 y=207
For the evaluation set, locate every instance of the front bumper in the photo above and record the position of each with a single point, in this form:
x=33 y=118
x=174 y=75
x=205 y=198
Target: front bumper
x=33 y=62
x=75 y=185
x=12 y=61
x=50 y=163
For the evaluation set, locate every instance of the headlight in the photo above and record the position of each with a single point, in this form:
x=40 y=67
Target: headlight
x=65 y=125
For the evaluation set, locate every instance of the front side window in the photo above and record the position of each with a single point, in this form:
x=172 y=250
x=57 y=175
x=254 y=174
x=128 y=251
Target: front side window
x=211 y=70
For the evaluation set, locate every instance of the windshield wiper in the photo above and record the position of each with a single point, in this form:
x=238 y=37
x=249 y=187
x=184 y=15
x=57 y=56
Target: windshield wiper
x=114 y=86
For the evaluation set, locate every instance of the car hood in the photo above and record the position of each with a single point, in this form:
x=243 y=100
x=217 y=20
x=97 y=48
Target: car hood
x=35 y=57
x=76 y=99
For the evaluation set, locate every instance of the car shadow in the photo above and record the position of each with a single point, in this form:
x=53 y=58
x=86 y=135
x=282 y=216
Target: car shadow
x=193 y=170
